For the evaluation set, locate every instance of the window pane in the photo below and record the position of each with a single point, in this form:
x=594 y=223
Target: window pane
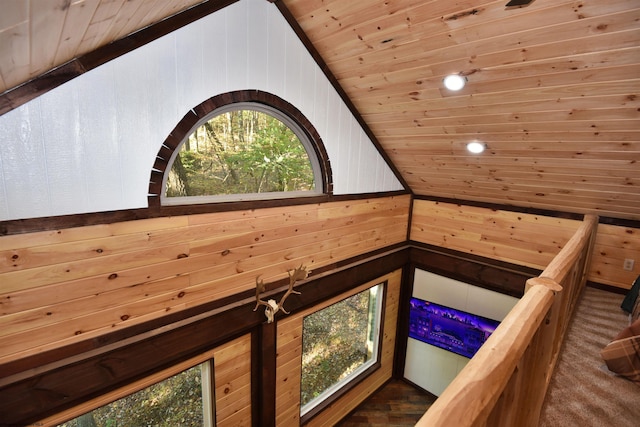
x=240 y=151
x=339 y=342
x=176 y=401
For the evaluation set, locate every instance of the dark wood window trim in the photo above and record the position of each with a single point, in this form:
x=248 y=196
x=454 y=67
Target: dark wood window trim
x=185 y=127
x=364 y=374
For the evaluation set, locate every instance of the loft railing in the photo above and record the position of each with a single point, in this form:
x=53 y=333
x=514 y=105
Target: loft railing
x=504 y=384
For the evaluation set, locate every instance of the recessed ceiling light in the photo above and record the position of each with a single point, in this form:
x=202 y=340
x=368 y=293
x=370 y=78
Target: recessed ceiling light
x=455 y=81
x=475 y=147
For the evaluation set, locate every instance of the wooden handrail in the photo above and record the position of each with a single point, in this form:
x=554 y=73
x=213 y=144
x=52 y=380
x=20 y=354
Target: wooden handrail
x=505 y=382
x=562 y=263
x=473 y=393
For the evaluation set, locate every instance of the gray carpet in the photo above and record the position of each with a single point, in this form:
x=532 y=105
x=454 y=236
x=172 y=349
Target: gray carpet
x=583 y=392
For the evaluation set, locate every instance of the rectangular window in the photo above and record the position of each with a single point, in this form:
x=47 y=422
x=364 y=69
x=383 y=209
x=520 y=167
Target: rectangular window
x=339 y=343
x=184 y=399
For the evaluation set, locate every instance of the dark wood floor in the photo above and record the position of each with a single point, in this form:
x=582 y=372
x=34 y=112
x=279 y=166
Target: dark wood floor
x=396 y=404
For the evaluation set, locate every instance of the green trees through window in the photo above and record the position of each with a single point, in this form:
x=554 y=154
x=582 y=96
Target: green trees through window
x=181 y=400
x=244 y=150
x=338 y=343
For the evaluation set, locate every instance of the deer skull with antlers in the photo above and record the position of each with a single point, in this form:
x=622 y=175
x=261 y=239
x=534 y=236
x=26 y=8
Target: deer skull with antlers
x=271 y=307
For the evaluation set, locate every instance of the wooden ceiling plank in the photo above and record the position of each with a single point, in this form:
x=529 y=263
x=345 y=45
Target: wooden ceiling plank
x=527 y=151
x=13 y=13
x=481 y=82
x=125 y=22
x=157 y=13
x=77 y=21
x=102 y=20
x=438 y=23
x=14 y=49
x=46 y=21
x=443 y=146
x=343 y=20
x=595 y=126
x=590 y=115
x=624 y=138
x=570 y=171
x=629 y=165
x=14 y=43
x=385 y=103
x=531 y=45
x=415 y=79
x=521 y=106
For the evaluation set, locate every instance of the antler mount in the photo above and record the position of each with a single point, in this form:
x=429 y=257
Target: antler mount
x=271 y=307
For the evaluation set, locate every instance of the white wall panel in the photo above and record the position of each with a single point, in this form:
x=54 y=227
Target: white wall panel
x=89 y=145
x=278 y=37
x=191 y=65
x=24 y=165
x=4 y=208
x=98 y=128
x=430 y=367
x=237 y=46
x=321 y=97
x=258 y=48
x=64 y=151
x=335 y=128
x=439 y=289
x=214 y=53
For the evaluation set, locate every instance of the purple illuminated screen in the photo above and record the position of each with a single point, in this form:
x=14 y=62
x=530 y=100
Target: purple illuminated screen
x=450 y=329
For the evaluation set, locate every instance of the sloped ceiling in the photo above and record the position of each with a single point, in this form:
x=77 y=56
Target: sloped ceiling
x=553 y=88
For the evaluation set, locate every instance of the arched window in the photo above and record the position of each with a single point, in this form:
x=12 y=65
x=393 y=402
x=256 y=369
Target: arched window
x=246 y=145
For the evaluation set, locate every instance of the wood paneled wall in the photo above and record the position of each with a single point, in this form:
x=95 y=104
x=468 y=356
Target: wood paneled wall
x=524 y=239
x=288 y=362
x=232 y=374
x=613 y=245
x=64 y=286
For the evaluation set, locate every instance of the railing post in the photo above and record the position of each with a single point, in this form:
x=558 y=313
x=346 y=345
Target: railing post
x=540 y=357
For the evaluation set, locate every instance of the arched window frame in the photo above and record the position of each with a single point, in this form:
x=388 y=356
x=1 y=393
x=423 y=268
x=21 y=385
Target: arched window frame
x=246 y=99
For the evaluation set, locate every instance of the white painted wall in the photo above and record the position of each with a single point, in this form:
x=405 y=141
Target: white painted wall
x=89 y=145
x=433 y=368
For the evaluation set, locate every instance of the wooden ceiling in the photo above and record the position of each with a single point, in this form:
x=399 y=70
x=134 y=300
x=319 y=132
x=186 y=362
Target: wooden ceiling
x=553 y=88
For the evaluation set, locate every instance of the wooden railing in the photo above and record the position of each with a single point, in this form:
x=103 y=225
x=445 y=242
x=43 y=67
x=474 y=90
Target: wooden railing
x=504 y=384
